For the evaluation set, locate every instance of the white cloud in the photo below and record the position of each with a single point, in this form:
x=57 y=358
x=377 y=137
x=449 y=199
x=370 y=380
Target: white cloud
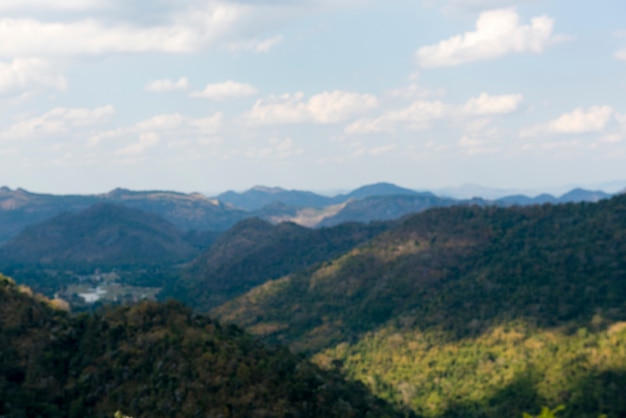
x=493 y=105
x=57 y=121
x=498 y=32
x=63 y=5
x=173 y=128
x=226 y=90
x=257 y=45
x=275 y=149
x=187 y=31
x=621 y=54
x=161 y=86
x=417 y=116
x=381 y=150
x=415 y=91
x=145 y=142
x=98 y=27
x=579 y=121
x=473 y=6
x=24 y=75
x=324 y=108
x=480 y=138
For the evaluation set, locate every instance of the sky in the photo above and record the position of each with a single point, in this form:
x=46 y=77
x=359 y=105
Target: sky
x=212 y=95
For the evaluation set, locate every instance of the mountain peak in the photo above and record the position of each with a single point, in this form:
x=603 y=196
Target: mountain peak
x=266 y=189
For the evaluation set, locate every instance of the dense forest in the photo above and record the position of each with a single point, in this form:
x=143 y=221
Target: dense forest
x=464 y=311
x=155 y=360
x=467 y=311
x=255 y=251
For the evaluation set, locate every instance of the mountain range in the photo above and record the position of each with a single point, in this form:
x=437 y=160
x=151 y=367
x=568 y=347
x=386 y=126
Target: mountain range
x=195 y=212
x=255 y=251
x=467 y=311
x=467 y=308
x=101 y=235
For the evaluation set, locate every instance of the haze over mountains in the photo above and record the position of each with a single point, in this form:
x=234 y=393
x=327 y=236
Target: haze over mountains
x=469 y=308
x=195 y=212
x=102 y=235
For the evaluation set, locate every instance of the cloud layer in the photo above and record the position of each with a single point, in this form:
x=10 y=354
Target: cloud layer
x=498 y=33
x=225 y=90
x=324 y=108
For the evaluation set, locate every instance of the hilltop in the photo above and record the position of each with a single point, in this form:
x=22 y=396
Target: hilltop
x=20 y=208
x=102 y=235
x=255 y=251
x=467 y=311
x=156 y=360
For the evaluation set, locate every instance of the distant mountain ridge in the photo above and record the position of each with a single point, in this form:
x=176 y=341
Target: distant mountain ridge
x=102 y=235
x=255 y=251
x=20 y=208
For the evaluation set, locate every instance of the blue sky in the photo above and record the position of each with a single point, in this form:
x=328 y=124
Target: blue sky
x=210 y=95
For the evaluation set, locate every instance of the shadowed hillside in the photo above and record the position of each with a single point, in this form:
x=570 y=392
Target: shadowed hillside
x=103 y=235
x=452 y=305
x=155 y=360
x=20 y=208
x=255 y=251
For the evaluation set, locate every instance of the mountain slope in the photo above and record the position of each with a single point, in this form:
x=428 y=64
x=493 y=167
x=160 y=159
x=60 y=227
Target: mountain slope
x=154 y=360
x=103 y=235
x=467 y=311
x=492 y=261
x=20 y=208
x=381 y=208
x=376 y=189
x=255 y=251
x=260 y=196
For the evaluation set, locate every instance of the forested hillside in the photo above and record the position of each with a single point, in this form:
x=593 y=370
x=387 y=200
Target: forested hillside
x=154 y=360
x=255 y=251
x=468 y=311
x=102 y=235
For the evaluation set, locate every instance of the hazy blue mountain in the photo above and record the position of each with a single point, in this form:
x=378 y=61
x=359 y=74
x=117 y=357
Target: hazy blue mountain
x=468 y=191
x=102 y=235
x=260 y=196
x=377 y=189
x=581 y=195
x=380 y=208
x=522 y=200
x=20 y=208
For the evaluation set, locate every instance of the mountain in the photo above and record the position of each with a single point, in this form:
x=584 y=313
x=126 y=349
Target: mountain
x=102 y=235
x=468 y=191
x=573 y=196
x=522 y=200
x=260 y=196
x=467 y=311
x=377 y=189
x=20 y=208
x=255 y=251
x=156 y=360
x=382 y=208
x=581 y=195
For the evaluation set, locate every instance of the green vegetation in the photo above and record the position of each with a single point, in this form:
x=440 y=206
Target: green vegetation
x=468 y=312
x=255 y=251
x=155 y=360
